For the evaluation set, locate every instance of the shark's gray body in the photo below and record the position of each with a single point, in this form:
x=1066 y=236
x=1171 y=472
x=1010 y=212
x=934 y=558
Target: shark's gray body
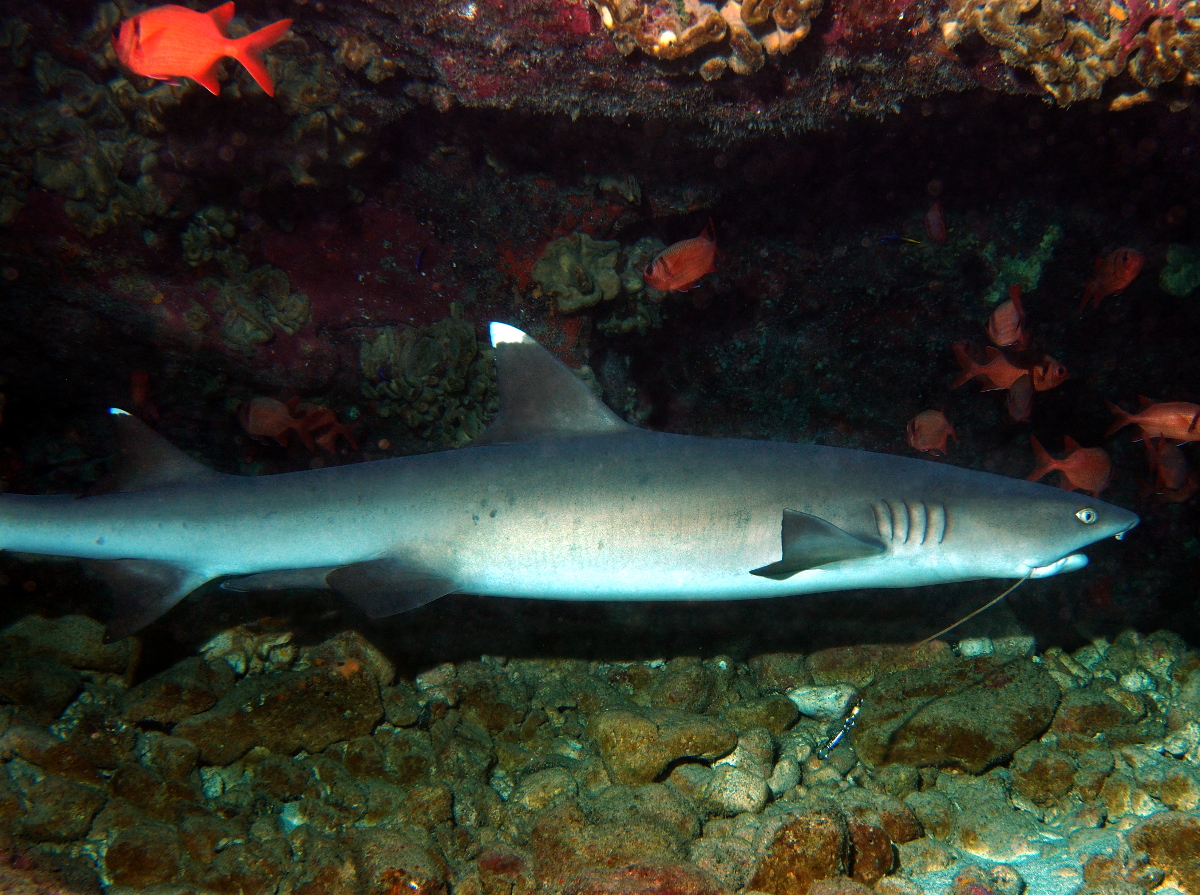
x=562 y=500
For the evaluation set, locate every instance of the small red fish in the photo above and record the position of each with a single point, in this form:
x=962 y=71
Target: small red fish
x=1113 y=273
x=680 y=266
x=1006 y=326
x=996 y=372
x=1176 y=421
x=1083 y=469
x=169 y=42
x=1020 y=399
x=1047 y=374
x=1174 y=479
x=930 y=431
x=935 y=223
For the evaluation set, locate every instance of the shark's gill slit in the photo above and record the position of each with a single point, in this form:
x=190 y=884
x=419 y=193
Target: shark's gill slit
x=918 y=521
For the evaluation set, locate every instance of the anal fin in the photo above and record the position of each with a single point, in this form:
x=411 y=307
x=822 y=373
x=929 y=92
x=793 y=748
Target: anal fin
x=810 y=543
x=382 y=587
x=143 y=590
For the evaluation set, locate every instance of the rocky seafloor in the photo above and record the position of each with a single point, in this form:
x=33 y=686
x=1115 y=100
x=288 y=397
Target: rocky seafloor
x=266 y=765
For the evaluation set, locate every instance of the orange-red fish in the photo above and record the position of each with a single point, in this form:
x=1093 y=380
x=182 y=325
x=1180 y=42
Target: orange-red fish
x=1083 y=469
x=996 y=371
x=935 y=223
x=1006 y=326
x=1020 y=399
x=680 y=266
x=930 y=431
x=1047 y=374
x=1176 y=421
x=1174 y=479
x=169 y=42
x=1113 y=273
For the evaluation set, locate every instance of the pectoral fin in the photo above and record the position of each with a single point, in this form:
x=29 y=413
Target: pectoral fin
x=810 y=543
x=142 y=591
x=383 y=587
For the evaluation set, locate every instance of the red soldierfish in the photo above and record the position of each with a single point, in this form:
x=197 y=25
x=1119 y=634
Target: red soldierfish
x=1006 y=326
x=680 y=266
x=169 y=42
x=1113 y=273
x=1176 y=421
x=935 y=223
x=1084 y=469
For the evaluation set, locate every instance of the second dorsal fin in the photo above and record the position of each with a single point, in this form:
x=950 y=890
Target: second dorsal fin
x=540 y=398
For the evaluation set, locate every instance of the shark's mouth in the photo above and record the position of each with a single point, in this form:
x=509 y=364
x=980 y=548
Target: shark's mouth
x=1070 y=563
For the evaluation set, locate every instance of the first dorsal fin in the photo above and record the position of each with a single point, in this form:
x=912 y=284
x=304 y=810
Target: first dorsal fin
x=145 y=460
x=540 y=398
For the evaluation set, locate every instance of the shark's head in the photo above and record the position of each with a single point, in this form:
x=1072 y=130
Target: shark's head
x=1035 y=530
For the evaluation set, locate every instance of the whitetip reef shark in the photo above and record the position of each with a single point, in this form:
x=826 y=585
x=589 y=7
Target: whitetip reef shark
x=558 y=499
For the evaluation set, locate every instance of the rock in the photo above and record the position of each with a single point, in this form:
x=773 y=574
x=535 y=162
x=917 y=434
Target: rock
x=401 y=707
x=775 y=713
x=53 y=809
x=648 y=878
x=286 y=712
x=1091 y=710
x=638 y=745
x=172 y=757
x=808 y=848
x=186 y=688
x=860 y=665
x=827 y=703
x=143 y=855
x=43 y=686
x=733 y=790
x=655 y=803
x=839 y=885
x=399 y=861
x=544 y=788
x=1043 y=774
x=684 y=684
x=969 y=714
x=564 y=842
x=350 y=646
x=74 y=640
x=871 y=848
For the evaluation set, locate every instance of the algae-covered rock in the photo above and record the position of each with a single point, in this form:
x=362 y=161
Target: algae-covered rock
x=256 y=302
x=209 y=230
x=579 y=271
x=287 y=712
x=434 y=378
x=1181 y=275
x=970 y=714
x=638 y=745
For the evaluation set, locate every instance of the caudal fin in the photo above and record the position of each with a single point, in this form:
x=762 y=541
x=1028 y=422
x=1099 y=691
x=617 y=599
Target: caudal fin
x=248 y=50
x=1123 y=419
x=970 y=369
x=1045 y=463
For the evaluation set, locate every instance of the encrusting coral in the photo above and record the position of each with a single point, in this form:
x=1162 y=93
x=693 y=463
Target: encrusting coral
x=1073 y=48
x=736 y=36
x=434 y=378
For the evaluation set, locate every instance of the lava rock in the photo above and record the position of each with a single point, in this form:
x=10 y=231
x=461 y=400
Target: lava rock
x=971 y=714
x=186 y=688
x=74 y=640
x=143 y=855
x=53 y=809
x=43 y=686
x=650 y=878
x=809 y=847
x=395 y=861
x=638 y=745
x=775 y=713
x=287 y=712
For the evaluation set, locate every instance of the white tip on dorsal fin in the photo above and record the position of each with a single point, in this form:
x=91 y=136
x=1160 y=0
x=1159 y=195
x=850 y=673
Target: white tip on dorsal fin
x=540 y=398
x=145 y=460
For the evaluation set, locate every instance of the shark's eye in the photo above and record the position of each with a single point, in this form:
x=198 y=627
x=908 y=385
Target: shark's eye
x=1087 y=515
